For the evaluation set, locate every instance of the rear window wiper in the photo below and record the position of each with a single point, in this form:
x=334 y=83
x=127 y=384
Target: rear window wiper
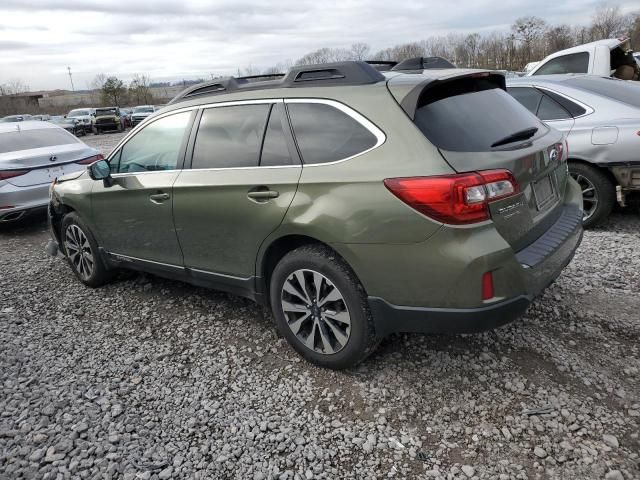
x=515 y=137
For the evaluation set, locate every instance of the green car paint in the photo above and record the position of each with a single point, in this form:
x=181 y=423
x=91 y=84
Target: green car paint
x=418 y=273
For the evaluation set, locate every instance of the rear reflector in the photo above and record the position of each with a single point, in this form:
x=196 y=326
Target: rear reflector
x=5 y=174
x=487 y=286
x=454 y=199
x=90 y=160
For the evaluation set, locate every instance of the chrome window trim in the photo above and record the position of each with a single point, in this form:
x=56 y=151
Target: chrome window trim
x=361 y=119
x=588 y=109
x=365 y=122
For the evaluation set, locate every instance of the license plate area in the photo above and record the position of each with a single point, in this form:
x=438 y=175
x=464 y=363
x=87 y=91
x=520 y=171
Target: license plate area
x=55 y=172
x=544 y=192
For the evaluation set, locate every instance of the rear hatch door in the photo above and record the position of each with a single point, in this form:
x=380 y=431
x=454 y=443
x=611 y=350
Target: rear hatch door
x=476 y=126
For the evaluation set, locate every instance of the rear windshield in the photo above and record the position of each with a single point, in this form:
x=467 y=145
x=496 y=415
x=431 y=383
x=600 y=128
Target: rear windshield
x=474 y=121
x=623 y=91
x=27 y=139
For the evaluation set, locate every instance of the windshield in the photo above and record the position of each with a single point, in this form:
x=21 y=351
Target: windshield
x=620 y=90
x=78 y=113
x=476 y=121
x=143 y=110
x=106 y=111
x=28 y=139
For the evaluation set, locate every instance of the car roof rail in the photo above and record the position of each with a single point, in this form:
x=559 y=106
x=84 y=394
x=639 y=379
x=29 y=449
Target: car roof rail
x=423 y=63
x=382 y=65
x=328 y=74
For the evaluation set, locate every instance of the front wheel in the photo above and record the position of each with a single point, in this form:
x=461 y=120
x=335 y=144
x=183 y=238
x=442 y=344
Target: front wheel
x=321 y=308
x=598 y=192
x=81 y=250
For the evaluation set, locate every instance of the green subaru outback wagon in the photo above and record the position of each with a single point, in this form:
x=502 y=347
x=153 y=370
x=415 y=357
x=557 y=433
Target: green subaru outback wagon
x=353 y=203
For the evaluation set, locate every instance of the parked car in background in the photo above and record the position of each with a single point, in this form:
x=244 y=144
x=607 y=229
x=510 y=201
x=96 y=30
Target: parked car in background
x=140 y=113
x=601 y=118
x=472 y=219
x=107 y=118
x=32 y=155
x=603 y=57
x=71 y=125
x=125 y=115
x=15 y=118
x=42 y=118
x=84 y=116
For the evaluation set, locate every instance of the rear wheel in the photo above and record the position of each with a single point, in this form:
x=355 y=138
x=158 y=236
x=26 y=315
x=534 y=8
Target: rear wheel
x=321 y=308
x=598 y=192
x=81 y=250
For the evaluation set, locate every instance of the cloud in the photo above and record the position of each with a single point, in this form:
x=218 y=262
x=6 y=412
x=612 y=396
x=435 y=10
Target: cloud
x=169 y=39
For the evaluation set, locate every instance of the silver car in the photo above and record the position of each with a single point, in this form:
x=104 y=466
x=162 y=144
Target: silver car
x=32 y=155
x=601 y=117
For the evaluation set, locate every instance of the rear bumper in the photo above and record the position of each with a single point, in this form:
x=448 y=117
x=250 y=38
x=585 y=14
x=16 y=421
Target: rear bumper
x=21 y=200
x=540 y=264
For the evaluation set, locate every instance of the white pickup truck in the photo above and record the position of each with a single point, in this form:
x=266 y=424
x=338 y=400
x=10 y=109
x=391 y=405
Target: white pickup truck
x=596 y=58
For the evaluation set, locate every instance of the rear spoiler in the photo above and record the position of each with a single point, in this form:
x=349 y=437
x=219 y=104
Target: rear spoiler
x=433 y=89
x=423 y=63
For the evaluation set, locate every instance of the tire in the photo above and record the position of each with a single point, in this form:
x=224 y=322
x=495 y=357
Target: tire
x=342 y=329
x=73 y=233
x=598 y=192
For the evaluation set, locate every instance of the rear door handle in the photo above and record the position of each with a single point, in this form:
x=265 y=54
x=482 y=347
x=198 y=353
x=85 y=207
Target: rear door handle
x=159 y=197
x=263 y=195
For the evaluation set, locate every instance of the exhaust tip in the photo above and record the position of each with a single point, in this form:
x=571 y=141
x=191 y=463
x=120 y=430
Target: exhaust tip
x=12 y=217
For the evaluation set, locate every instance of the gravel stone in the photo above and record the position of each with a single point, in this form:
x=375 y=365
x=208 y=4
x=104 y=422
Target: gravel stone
x=610 y=440
x=147 y=378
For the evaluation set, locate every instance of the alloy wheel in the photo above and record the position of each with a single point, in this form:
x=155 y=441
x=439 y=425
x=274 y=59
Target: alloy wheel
x=316 y=311
x=589 y=195
x=79 y=251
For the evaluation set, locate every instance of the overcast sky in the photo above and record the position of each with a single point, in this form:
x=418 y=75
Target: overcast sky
x=172 y=39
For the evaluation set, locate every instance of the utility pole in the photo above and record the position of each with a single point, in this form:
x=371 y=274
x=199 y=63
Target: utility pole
x=71 y=78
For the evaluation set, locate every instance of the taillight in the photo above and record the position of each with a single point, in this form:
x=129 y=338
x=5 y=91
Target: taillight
x=455 y=199
x=562 y=150
x=90 y=160
x=5 y=174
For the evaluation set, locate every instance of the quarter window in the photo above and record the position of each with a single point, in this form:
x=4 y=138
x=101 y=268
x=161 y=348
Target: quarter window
x=230 y=136
x=325 y=134
x=155 y=148
x=551 y=110
x=573 y=63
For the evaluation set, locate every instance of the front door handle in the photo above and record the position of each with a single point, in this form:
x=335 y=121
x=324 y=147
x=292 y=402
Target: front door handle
x=159 y=197
x=262 y=195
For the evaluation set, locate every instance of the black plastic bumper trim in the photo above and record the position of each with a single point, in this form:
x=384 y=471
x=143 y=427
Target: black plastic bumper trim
x=390 y=318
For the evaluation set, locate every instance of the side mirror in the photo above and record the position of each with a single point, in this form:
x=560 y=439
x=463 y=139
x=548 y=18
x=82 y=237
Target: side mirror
x=101 y=170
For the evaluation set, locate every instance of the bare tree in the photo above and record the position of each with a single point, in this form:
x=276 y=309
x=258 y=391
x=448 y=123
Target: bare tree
x=608 y=22
x=139 y=89
x=559 y=37
x=14 y=87
x=528 y=30
x=359 y=51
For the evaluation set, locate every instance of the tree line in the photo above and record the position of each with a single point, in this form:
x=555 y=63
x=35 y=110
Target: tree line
x=529 y=39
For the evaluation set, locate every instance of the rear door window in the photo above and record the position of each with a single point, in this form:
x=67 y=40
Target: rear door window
x=528 y=97
x=573 y=63
x=230 y=137
x=474 y=121
x=325 y=134
x=275 y=151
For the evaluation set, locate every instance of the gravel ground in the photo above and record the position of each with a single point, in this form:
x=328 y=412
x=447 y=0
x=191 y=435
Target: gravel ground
x=152 y=379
